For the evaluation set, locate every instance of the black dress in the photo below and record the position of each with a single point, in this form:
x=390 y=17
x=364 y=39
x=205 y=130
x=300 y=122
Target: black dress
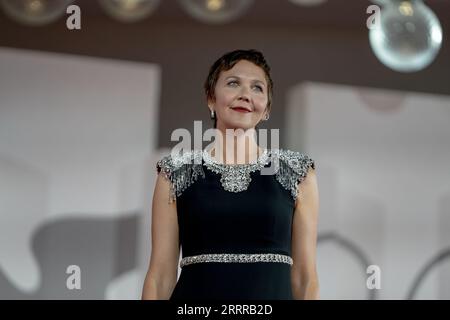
x=235 y=215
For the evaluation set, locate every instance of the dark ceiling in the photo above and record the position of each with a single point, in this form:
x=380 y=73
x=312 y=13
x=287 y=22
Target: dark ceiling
x=332 y=13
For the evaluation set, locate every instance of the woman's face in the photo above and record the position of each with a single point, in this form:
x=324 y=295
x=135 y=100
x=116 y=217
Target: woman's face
x=240 y=96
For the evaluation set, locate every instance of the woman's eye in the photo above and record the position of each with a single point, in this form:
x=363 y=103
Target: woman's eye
x=234 y=82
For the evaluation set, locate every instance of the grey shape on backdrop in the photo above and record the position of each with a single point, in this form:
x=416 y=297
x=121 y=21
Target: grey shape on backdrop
x=353 y=248
x=439 y=258
x=103 y=248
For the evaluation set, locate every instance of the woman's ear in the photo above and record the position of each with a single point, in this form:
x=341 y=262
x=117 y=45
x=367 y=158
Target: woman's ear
x=210 y=102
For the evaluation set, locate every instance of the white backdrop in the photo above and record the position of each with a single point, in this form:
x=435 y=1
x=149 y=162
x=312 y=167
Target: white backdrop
x=384 y=180
x=77 y=137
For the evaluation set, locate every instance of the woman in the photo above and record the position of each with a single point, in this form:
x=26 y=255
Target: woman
x=243 y=234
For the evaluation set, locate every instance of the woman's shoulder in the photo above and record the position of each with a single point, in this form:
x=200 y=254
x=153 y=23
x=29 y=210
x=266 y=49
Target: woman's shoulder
x=180 y=168
x=291 y=168
x=173 y=160
x=297 y=160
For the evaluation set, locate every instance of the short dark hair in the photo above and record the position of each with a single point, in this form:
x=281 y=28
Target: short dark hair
x=227 y=61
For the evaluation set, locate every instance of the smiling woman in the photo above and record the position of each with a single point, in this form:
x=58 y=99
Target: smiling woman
x=247 y=232
x=241 y=89
x=239 y=79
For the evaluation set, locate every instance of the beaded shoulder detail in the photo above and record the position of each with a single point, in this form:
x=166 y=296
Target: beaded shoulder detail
x=291 y=168
x=181 y=171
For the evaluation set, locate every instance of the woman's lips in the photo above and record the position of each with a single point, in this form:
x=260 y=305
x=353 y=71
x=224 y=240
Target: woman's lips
x=238 y=109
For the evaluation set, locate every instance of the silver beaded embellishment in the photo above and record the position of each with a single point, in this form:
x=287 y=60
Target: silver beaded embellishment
x=181 y=170
x=290 y=169
x=235 y=177
x=236 y=258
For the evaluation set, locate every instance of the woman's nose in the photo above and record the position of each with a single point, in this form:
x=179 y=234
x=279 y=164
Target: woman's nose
x=244 y=97
x=244 y=94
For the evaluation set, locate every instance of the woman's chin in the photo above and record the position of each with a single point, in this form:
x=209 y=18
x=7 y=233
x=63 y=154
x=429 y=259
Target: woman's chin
x=244 y=125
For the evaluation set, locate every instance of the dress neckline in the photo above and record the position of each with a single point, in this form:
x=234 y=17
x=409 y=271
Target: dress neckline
x=260 y=160
x=235 y=177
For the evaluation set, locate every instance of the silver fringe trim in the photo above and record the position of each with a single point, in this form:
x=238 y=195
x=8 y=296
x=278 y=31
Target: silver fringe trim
x=236 y=258
x=290 y=168
x=182 y=171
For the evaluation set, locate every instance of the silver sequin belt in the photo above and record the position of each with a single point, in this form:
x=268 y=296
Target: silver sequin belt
x=236 y=258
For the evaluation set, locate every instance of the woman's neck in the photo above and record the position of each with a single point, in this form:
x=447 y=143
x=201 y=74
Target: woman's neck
x=235 y=149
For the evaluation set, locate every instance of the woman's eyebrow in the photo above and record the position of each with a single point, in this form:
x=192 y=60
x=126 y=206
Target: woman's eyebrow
x=254 y=80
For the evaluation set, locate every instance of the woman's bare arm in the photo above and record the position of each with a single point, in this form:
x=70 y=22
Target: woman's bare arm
x=304 y=279
x=162 y=273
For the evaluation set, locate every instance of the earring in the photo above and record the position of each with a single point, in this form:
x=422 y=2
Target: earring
x=266 y=117
x=213 y=114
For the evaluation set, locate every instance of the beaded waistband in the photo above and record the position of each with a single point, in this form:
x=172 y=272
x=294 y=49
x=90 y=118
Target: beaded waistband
x=236 y=258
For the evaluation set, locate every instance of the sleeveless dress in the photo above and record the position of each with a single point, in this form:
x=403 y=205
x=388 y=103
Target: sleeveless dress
x=235 y=223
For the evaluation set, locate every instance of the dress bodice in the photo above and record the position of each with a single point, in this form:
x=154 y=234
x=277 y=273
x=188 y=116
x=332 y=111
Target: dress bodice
x=235 y=207
x=242 y=209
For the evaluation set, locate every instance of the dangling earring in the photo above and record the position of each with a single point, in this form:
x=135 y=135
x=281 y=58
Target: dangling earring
x=213 y=114
x=266 y=117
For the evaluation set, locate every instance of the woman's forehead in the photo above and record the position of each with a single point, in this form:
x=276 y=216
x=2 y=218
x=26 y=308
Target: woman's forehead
x=245 y=70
